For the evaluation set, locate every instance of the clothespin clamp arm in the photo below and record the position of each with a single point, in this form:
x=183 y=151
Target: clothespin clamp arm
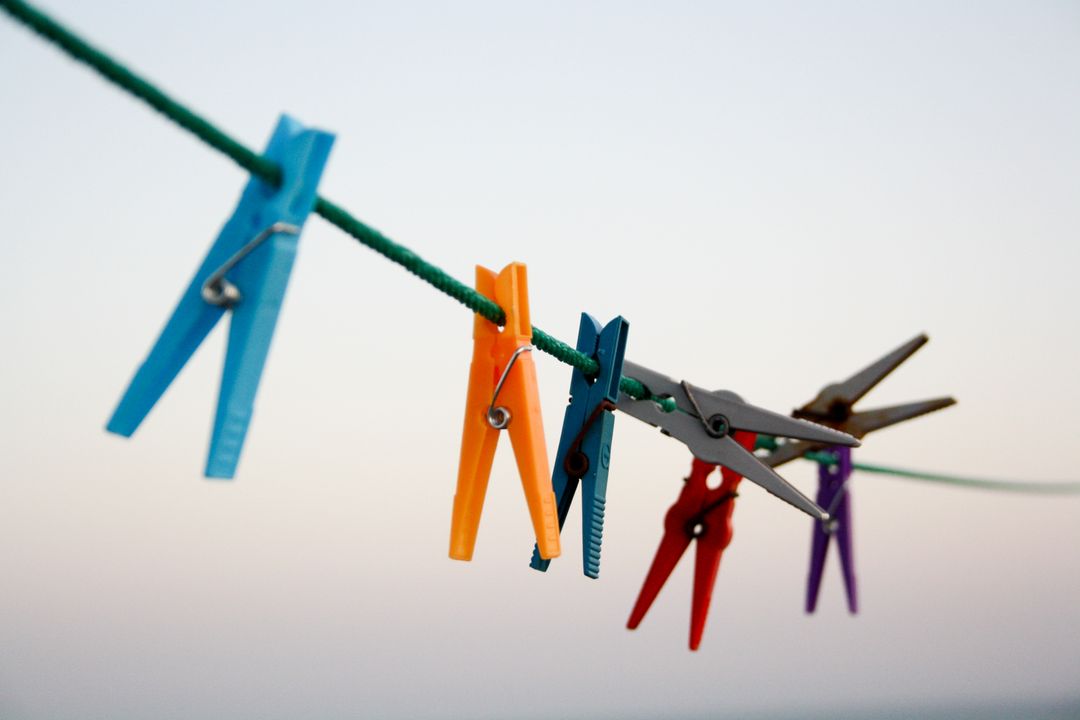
x=834 y=406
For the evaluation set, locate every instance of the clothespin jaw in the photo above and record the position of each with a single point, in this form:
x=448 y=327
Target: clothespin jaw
x=834 y=406
x=835 y=400
x=246 y=271
x=701 y=514
x=503 y=394
x=585 y=444
x=834 y=493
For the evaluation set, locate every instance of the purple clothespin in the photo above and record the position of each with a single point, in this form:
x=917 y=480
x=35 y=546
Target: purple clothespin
x=834 y=495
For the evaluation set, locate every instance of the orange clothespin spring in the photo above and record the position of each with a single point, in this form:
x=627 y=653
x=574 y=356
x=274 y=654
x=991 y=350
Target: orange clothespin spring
x=503 y=394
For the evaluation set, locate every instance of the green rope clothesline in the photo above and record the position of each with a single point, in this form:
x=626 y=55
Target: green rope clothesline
x=1044 y=488
x=116 y=73
x=215 y=137
x=822 y=457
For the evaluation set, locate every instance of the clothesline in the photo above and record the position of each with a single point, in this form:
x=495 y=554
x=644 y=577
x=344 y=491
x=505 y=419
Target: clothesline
x=138 y=86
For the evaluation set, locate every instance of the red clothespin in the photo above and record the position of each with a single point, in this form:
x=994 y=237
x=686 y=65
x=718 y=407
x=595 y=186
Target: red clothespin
x=703 y=514
x=503 y=395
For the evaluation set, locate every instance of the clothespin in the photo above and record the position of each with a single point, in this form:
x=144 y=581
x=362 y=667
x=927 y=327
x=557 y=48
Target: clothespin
x=701 y=514
x=246 y=271
x=585 y=445
x=833 y=494
x=503 y=395
x=834 y=408
x=705 y=422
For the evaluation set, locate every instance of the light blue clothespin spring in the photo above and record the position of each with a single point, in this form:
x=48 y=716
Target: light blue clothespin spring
x=585 y=445
x=246 y=271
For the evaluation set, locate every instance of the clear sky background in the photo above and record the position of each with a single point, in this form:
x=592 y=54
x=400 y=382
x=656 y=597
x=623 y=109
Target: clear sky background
x=772 y=194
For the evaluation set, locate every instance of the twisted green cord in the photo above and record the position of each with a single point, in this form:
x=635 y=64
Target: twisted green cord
x=116 y=73
x=768 y=442
x=1046 y=488
x=259 y=166
x=119 y=75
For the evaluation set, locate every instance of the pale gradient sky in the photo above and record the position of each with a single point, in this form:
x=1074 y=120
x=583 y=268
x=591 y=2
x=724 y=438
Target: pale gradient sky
x=773 y=195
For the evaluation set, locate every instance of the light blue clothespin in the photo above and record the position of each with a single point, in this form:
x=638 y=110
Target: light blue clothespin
x=585 y=444
x=246 y=270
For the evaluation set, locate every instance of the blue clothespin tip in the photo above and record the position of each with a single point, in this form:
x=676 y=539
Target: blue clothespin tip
x=585 y=445
x=246 y=271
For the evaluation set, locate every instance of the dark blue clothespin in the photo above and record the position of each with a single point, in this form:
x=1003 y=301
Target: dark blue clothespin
x=585 y=445
x=246 y=271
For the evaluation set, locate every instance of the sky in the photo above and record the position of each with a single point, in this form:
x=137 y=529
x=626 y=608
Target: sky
x=772 y=194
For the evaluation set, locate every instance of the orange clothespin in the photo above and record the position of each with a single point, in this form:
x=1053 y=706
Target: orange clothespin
x=503 y=394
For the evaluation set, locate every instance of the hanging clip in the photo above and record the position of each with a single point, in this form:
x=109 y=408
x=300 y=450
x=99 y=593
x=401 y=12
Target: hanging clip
x=699 y=514
x=833 y=493
x=585 y=445
x=502 y=368
x=246 y=272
